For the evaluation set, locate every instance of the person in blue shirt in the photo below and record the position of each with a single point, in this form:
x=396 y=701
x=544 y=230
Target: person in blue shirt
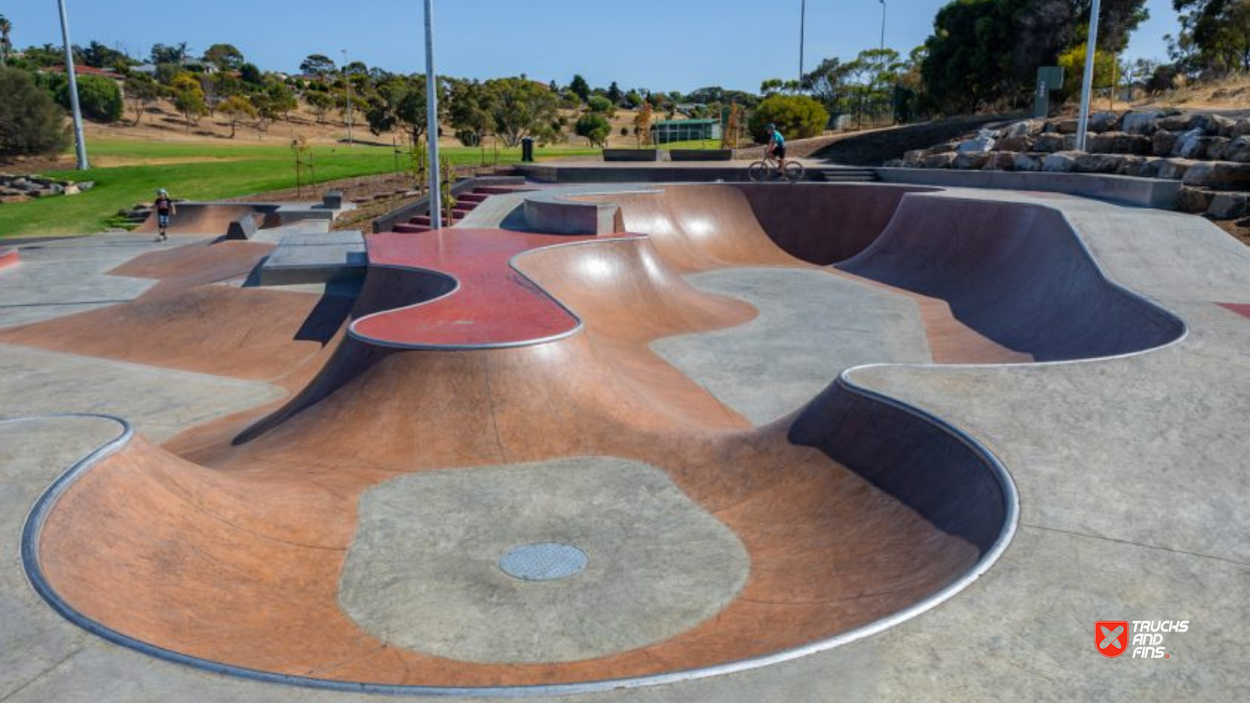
x=776 y=147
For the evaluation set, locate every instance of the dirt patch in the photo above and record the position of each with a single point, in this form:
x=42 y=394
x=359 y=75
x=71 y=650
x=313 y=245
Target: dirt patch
x=1240 y=229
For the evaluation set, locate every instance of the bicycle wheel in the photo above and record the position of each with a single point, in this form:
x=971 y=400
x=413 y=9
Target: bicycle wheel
x=758 y=172
x=795 y=171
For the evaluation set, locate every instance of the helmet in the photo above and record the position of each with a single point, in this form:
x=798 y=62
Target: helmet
x=772 y=127
x=162 y=191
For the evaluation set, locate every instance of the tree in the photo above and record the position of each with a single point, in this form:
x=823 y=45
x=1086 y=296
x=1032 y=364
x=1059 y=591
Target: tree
x=796 y=116
x=521 y=108
x=224 y=56
x=31 y=123
x=317 y=65
x=6 y=46
x=614 y=93
x=251 y=75
x=236 y=108
x=1073 y=64
x=642 y=125
x=189 y=99
x=470 y=112
x=321 y=102
x=98 y=55
x=176 y=54
x=281 y=99
x=602 y=105
x=141 y=91
x=594 y=127
x=399 y=102
x=1217 y=32
x=99 y=97
x=580 y=88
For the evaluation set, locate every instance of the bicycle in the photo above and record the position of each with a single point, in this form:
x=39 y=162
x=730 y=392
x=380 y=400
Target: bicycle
x=767 y=170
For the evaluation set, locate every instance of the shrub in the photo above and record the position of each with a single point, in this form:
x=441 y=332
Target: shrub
x=594 y=127
x=796 y=117
x=100 y=98
x=31 y=123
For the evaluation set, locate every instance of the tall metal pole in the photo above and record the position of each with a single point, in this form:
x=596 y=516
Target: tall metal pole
x=79 y=141
x=883 y=25
x=347 y=78
x=1087 y=87
x=431 y=114
x=802 y=37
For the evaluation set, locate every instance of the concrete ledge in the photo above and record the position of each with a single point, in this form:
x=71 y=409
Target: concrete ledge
x=701 y=155
x=631 y=155
x=315 y=258
x=562 y=216
x=242 y=227
x=1143 y=192
x=598 y=173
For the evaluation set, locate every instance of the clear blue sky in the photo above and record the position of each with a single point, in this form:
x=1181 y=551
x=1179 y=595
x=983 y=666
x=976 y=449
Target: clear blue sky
x=659 y=44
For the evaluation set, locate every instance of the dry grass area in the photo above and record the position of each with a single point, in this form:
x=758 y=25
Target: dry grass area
x=1240 y=229
x=1230 y=93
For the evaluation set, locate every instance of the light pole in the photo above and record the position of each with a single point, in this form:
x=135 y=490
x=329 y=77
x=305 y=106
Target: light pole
x=80 y=143
x=883 y=25
x=1087 y=87
x=431 y=116
x=347 y=79
x=802 y=37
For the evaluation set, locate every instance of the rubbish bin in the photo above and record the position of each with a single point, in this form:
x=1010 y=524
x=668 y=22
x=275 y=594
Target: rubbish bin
x=527 y=150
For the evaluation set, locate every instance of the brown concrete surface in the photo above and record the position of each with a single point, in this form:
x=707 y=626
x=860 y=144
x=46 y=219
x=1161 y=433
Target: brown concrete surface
x=227 y=543
x=205 y=218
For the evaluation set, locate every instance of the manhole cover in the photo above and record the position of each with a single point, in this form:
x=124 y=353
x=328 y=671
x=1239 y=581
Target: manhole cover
x=543 y=562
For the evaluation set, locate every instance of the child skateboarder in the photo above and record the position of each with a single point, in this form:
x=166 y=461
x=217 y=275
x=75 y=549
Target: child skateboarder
x=164 y=210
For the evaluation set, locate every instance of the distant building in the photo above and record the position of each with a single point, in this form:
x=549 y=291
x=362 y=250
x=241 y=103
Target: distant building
x=668 y=131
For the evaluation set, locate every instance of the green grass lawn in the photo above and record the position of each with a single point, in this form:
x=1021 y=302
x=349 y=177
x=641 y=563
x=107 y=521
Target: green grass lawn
x=694 y=144
x=235 y=170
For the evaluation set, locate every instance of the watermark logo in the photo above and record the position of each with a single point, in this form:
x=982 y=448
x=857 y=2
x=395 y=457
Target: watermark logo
x=1144 y=638
x=1111 y=637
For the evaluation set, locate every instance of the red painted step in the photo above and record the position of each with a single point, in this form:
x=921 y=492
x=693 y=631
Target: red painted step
x=411 y=229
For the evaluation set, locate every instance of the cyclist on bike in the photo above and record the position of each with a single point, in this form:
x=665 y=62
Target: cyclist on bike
x=776 y=147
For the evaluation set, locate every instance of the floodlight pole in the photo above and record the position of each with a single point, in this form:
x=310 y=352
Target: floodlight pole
x=883 y=25
x=79 y=142
x=431 y=115
x=347 y=78
x=802 y=37
x=1087 y=87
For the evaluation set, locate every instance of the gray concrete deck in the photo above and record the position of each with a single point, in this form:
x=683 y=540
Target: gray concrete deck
x=1132 y=474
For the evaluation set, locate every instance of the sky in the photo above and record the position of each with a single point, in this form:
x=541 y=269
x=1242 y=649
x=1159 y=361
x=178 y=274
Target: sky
x=658 y=44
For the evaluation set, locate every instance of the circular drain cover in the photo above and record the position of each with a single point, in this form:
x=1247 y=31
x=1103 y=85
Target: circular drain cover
x=543 y=562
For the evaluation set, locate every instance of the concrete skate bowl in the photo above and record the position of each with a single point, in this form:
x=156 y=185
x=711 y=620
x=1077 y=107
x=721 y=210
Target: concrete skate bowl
x=496 y=392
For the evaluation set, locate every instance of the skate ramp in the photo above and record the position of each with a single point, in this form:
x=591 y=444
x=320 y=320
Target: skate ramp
x=228 y=547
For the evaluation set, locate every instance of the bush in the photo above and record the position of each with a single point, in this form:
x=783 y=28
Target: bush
x=594 y=127
x=100 y=98
x=30 y=121
x=796 y=117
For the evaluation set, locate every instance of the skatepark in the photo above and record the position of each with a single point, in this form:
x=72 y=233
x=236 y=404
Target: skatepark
x=655 y=442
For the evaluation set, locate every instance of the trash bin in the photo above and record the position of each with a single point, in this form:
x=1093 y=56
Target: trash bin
x=527 y=150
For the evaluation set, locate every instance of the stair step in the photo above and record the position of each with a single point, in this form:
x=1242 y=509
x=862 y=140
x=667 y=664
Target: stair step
x=411 y=229
x=501 y=190
x=472 y=198
x=420 y=220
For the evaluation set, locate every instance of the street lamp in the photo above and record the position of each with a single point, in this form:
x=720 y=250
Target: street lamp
x=1087 y=87
x=431 y=116
x=883 y=25
x=347 y=78
x=802 y=37
x=80 y=143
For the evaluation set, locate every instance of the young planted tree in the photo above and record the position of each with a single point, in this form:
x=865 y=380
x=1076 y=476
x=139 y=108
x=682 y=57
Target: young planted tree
x=236 y=108
x=733 y=128
x=642 y=125
x=31 y=123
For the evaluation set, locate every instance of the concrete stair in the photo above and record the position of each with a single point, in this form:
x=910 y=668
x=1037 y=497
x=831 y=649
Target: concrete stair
x=465 y=203
x=848 y=175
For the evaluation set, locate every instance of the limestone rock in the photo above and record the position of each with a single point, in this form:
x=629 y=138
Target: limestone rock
x=1103 y=121
x=1191 y=144
x=1141 y=122
x=981 y=145
x=970 y=161
x=1014 y=144
x=1136 y=166
x=1120 y=143
x=1025 y=128
x=1060 y=162
x=1238 y=150
x=1193 y=200
x=1051 y=143
x=1174 y=169
x=1065 y=126
x=913 y=158
x=1216 y=148
x=941 y=149
x=1212 y=124
x=1026 y=162
x=1164 y=142
x=1098 y=163
x=1227 y=206
x=1000 y=161
x=941 y=160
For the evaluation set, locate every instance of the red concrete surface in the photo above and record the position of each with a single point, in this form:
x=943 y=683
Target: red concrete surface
x=1242 y=309
x=494 y=305
x=8 y=257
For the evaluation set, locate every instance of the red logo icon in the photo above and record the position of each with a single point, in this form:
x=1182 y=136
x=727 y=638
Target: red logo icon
x=1111 y=637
